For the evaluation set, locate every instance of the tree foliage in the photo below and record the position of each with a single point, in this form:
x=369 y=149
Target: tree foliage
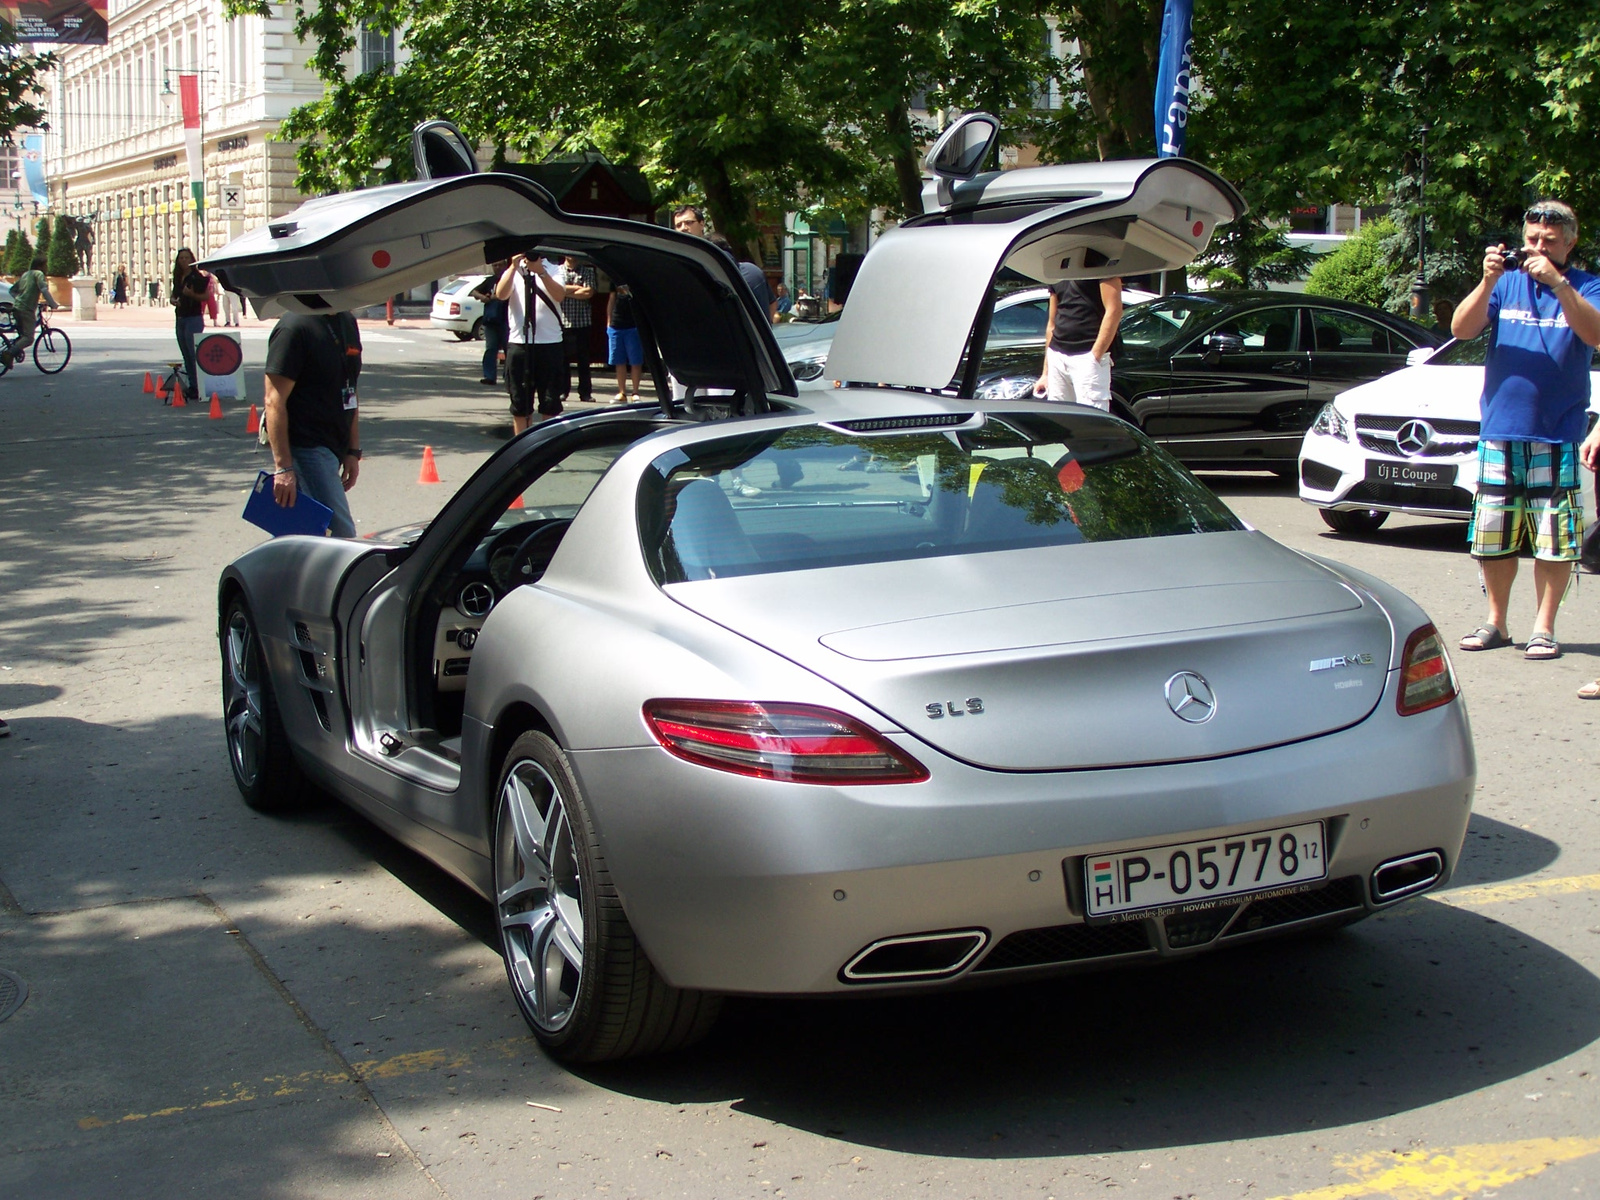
x=20 y=75
x=747 y=104
x=1249 y=253
x=62 y=257
x=1359 y=270
x=21 y=258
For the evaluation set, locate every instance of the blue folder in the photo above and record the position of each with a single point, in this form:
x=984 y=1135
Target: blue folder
x=306 y=516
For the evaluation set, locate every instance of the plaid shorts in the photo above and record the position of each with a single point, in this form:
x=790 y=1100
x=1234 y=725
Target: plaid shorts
x=1527 y=492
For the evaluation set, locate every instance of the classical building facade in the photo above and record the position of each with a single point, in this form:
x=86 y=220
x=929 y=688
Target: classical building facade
x=115 y=148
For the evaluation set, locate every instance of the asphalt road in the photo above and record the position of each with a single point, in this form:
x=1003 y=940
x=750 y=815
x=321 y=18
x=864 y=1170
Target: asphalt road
x=222 y=1003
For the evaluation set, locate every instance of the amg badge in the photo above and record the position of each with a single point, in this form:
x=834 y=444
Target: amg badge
x=1341 y=660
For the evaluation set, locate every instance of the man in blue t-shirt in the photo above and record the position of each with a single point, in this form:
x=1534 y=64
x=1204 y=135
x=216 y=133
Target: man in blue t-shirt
x=1543 y=327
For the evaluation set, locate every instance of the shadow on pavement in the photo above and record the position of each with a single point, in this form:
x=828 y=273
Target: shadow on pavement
x=1495 y=852
x=1399 y=1013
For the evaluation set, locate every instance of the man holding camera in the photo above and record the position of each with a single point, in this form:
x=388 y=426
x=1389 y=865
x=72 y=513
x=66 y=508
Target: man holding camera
x=1543 y=327
x=532 y=289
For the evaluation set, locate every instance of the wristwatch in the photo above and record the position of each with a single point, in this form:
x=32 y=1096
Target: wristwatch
x=353 y=452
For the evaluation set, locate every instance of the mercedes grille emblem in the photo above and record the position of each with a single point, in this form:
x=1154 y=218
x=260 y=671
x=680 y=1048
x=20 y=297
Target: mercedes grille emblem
x=1190 y=698
x=1414 y=437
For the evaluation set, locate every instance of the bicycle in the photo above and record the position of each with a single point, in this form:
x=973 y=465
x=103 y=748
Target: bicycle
x=52 y=348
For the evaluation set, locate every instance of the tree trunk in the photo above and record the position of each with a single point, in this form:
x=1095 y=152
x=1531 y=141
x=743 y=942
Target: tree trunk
x=728 y=208
x=906 y=160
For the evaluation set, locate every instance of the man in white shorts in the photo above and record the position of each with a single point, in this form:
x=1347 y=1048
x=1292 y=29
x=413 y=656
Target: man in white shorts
x=1084 y=315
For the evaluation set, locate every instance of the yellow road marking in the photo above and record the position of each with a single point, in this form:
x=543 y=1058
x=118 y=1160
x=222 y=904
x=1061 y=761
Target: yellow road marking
x=1448 y=1174
x=288 y=1085
x=1500 y=893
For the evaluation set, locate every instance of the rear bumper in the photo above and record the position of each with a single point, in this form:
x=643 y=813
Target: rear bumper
x=737 y=885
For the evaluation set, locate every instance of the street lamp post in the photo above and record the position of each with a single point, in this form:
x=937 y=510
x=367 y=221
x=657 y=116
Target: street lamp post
x=1419 y=289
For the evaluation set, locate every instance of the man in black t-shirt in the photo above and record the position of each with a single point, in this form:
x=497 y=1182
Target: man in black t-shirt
x=311 y=415
x=1084 y=315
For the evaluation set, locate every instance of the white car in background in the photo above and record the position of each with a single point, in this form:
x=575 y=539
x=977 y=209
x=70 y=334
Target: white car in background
x=455 y=310
x=1019 y=319
x=1406 y=442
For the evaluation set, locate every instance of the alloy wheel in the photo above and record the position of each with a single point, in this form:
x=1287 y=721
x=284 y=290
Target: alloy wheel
x=242 y=705
x=538 y=895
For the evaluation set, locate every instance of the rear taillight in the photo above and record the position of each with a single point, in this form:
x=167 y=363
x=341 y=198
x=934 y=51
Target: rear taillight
x=799 y=743
x=455 y=309
x=1426 y=678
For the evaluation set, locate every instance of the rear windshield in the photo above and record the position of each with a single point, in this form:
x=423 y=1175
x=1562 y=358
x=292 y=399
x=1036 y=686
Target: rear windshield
x=821 y=496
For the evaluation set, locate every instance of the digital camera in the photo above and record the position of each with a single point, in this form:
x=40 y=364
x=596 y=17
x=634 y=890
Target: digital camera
x=1514 y=259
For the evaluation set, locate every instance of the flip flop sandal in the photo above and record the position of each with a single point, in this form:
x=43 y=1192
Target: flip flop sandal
x=1485 y=637
x=1542 y=647
x=1590 y=691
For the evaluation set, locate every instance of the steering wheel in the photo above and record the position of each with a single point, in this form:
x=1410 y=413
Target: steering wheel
x=533 y=555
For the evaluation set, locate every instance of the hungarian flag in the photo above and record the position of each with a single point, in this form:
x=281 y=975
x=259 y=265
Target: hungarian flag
x=189 y=93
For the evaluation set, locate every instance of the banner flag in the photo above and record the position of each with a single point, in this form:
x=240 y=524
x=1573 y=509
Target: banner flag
x=33 y=167
x=59 y=22
x=1173 y=78
x=189 y=93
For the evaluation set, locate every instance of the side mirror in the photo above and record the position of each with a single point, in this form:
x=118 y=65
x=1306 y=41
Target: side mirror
x=958 y=155
x=441 y=151
x=1218 y=344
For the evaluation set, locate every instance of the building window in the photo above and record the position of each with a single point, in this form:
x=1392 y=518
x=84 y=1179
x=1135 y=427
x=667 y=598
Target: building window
x=377 y=50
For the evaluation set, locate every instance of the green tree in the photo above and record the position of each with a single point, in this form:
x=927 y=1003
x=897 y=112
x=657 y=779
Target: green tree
x=19 y=84
x=1107 y=83
x=1250 y=253
x=41 y=238
x=21 y=255
x=1360 y=270
x=63 y=252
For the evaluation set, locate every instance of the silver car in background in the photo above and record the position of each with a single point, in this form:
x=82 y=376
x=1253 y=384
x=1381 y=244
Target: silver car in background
x=869 y=689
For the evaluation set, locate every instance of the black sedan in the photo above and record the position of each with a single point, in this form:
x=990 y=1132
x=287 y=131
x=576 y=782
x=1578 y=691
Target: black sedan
x=1232 y=380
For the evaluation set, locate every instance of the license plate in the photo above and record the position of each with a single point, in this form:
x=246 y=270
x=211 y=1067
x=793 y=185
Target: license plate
x=1408 y=474
x=1195 y=874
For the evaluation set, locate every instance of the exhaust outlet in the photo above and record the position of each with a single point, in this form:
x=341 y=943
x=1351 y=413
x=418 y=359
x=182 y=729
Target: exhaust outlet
x=915 y=956
x=1406 y=876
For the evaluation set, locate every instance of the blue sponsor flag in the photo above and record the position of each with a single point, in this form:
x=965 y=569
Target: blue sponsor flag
x=33 y=167
x=1173 y=78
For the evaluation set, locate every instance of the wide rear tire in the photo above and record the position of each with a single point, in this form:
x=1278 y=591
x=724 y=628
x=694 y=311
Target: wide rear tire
x=258 y=747
x=1367 y=521
x=578 y=974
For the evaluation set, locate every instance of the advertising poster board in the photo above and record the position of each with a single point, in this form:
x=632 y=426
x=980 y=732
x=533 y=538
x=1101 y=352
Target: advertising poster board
x=57 y=22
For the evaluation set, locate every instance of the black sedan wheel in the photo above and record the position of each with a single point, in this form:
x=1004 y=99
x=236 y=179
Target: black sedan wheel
x=579 y=976
x=258 y=748
x=1366 y=521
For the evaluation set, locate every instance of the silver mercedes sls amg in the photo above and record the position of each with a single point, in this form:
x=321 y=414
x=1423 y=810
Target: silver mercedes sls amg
x=883 y=689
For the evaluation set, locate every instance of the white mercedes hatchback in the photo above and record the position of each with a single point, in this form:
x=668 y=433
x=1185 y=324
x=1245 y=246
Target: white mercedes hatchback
x=1407 y=443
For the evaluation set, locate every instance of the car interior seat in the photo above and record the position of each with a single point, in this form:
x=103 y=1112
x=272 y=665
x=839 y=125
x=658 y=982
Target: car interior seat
x=706 y=534
x=1278 y=336
x=1328 y=338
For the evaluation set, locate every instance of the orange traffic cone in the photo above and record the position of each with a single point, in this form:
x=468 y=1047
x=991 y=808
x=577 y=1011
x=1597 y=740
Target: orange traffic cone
x=216 y=408
x=149 y=383
x=253 y=425
x=161 y=390
x=178 y=400
x=517 y=503
x=430 y=473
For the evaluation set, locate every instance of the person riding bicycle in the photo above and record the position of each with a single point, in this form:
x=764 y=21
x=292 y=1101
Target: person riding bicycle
x=26 y=293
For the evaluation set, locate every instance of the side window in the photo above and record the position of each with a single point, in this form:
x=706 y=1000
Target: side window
x=1347 y=334
x=1264 y=330
x=1020 y=321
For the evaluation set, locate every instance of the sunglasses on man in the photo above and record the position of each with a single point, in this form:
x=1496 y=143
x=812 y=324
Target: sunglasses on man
x=1546 y=216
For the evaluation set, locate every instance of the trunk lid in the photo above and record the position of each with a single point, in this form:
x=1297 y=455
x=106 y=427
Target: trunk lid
x=1065 y=657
